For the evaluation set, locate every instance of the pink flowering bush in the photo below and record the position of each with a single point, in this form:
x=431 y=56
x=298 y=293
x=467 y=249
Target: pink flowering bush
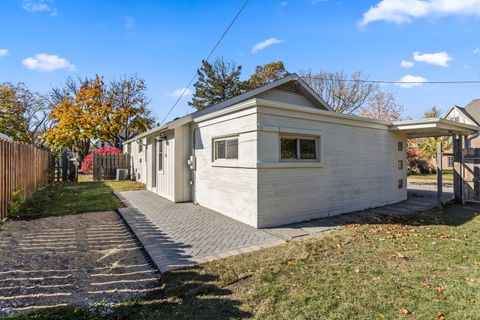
x=87 y=162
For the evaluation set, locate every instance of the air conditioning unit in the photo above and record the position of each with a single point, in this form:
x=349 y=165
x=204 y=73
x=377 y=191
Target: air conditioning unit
x=122 y=174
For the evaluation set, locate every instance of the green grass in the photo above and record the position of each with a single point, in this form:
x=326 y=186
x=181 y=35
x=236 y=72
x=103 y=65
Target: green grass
x=446 y=176
x=75 y=197
x=419 y=267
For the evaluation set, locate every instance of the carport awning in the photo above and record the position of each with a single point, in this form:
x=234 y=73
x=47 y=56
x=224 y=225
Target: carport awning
x=434 y=127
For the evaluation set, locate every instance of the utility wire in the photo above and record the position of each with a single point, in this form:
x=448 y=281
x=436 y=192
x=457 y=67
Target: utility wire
x=208 y=57
x=394 y=82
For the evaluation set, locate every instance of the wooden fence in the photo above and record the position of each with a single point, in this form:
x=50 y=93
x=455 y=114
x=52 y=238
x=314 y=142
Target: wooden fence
x=105 y=165
x=22 y=167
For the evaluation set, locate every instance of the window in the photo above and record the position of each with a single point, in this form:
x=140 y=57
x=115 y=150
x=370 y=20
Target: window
x=400 y=146
x=140 y=146
x=400 y=183
x=400 y=165
x=450 y=162
x=226 y=149
x=160 y=155
x=298 y=148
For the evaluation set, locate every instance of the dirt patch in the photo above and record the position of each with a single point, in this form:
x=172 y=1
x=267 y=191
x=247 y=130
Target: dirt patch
x=86 y=260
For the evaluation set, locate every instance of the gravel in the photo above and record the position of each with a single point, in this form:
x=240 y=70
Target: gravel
x=89 y=260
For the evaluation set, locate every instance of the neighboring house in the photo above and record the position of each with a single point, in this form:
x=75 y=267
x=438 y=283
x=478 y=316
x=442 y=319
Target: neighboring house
x=279 y=154
x=470 y=114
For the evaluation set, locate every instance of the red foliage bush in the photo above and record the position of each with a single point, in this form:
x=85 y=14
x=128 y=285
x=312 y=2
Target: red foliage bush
x=87 y=162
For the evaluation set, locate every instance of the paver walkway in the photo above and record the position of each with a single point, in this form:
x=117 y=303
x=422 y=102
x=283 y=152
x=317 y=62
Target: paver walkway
x=184 y=234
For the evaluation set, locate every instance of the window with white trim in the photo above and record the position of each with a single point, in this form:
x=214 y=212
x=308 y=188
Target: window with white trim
x=225 y=148
x=450 y=162
x=160 y=155
x=299 y=148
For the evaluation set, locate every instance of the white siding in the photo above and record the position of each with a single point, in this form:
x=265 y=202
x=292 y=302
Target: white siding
x=138 y=160
x=287 y=97
x=458 y=116
x=231 y=187
x=360 y=170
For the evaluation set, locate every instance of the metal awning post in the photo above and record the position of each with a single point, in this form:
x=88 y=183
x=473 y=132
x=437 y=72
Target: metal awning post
x=439 y=176
x=457 y=167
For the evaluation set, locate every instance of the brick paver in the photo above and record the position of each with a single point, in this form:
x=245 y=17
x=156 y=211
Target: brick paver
x=182 y=234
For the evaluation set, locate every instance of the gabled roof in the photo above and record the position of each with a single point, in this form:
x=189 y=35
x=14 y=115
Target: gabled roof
x=291 y=82
x=471 y=111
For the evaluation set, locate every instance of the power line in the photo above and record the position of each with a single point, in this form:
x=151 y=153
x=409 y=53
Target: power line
x=208 y=57
x=393 y=82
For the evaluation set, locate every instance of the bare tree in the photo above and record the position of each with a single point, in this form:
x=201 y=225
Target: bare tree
x=382 y=106
x=344 y=93
x=35 y=114
x=130 y=114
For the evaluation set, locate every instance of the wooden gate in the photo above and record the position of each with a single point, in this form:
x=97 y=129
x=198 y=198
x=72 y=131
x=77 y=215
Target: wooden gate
x=471 y=174
x=105 y=165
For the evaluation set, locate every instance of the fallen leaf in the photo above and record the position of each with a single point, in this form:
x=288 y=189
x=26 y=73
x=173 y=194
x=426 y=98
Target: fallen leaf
x=291 y=261
x=440 y=316
x=401 y=256
x=465 y=257
x=405 y=311
x=426 y=283
x=356 y=270
x=381 y=315
x=439 y=288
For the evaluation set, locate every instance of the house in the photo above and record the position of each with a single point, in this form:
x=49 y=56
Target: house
x=279 y=154
x=470 y=114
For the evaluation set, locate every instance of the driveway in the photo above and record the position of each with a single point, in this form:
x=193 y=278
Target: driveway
x=427 y=189
x=80 y=260
x=184 y=234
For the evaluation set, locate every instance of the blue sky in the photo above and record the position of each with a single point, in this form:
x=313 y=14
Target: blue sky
x=43 y=42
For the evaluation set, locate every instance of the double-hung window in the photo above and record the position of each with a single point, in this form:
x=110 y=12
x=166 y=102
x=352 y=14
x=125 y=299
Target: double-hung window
x=226 y=148
x=293 y=148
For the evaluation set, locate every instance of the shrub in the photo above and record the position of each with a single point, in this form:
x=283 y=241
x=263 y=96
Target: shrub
x=15 y=204
x=87 y=162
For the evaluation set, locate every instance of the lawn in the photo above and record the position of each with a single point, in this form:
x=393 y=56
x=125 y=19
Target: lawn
x=425 y=266
x=447 y=175
x=75 y=197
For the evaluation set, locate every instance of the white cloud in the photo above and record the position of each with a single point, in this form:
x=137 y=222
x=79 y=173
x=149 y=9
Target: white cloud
x=476 y=50
x=39 y=6
x=3 y=53
x=439 y=58
x=46 y=62
x=264 y=44
x=411 y=81
x=404 y=11
x=178 y=93
x=129 y=23
x=407 y=64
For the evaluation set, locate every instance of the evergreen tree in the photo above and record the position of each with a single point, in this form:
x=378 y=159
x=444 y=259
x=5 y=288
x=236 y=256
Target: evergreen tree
x=216 y=83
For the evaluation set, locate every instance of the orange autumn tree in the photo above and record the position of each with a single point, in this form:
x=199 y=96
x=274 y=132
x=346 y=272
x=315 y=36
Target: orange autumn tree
x=78 y=117
x=95 y=110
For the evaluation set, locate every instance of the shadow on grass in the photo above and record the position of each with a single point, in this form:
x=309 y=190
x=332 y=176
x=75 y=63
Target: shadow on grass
x=191 y=295
x=452 y=215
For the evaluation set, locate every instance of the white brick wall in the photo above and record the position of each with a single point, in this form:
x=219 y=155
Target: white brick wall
x=360 y=170
x=231 y=191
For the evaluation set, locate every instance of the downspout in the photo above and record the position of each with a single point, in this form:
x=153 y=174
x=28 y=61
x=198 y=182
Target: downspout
x=193 y=167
